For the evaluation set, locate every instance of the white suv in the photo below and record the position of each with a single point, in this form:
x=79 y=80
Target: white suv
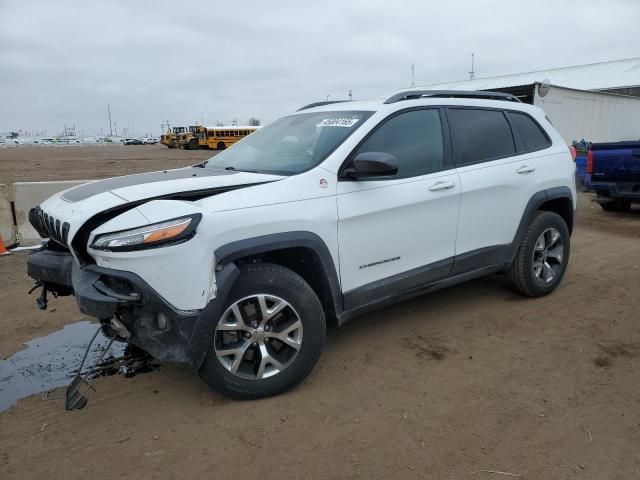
x=234 y=266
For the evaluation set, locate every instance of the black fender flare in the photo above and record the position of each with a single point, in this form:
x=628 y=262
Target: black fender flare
x=234 y=251
x=534 y=204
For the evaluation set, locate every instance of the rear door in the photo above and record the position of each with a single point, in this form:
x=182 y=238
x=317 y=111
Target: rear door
x=399 y=231
x=497 y=180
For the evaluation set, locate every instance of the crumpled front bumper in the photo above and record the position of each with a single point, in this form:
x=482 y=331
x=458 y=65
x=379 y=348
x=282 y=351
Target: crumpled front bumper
x=123 y=299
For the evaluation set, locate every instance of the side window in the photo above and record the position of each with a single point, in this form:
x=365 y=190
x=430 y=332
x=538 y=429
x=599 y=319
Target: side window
x=415 y=138
x=530 y=133
x=480 y=135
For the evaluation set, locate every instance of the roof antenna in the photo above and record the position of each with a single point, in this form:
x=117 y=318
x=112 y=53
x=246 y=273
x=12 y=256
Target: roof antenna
x=413 y=76
x=472 y=73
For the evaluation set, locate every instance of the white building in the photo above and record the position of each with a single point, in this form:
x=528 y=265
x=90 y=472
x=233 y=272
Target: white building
x=599 y=102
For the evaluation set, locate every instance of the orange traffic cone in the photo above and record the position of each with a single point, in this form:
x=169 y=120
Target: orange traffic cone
x=3 y=249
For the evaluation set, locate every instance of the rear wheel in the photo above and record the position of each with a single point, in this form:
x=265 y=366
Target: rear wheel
x=542 y=256
x=193 y=144
x=269 y=337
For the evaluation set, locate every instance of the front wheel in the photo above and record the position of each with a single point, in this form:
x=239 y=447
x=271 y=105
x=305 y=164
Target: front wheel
x=542 y=256
x=269 y=337
x=220 y=146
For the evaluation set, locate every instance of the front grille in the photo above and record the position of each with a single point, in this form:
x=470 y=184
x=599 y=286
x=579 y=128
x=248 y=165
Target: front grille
x=49 y=227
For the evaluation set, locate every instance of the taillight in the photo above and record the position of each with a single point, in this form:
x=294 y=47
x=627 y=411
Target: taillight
x=590 y=162
x=574 y=154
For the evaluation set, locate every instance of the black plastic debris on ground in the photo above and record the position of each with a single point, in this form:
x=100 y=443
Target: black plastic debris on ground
x=52 y=361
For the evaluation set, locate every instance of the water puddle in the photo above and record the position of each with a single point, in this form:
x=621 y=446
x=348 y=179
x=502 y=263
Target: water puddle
x=52 y=361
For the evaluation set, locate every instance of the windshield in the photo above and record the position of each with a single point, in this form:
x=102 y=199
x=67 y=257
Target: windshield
x=291 y=144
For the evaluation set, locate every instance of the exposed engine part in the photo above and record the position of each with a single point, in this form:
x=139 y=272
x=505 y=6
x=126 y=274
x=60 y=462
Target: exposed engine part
x=162 y=321
x=119 y=328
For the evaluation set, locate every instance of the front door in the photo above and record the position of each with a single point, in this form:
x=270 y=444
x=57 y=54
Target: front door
x=397 y=232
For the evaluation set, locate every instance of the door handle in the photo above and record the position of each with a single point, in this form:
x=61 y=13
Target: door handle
x=526 y=169
x=441 y=186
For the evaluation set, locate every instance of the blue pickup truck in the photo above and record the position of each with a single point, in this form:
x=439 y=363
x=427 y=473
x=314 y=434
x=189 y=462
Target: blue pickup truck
x=613 y=172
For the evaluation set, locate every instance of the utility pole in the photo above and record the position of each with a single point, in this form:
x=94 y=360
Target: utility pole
x=413 y=76
x=115 y=127
x=109 y=110
x=350 y=95
x=472 y=73
x=202 y=118
x=328 y=97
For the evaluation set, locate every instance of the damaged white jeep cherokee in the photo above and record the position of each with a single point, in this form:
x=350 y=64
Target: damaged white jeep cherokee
x=234 y=266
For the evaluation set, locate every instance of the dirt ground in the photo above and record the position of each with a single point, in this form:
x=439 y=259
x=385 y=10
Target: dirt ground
x=461 y=383
x=39 y=164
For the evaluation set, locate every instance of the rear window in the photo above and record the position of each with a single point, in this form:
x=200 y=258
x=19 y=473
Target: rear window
x=530 y=133
x=480 y=135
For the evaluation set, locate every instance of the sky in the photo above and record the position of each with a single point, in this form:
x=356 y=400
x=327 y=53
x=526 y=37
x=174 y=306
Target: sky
x=62 y=62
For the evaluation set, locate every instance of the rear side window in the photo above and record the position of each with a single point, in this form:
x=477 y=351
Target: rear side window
x=414 y=138
x=530 y=133
x=480 y=135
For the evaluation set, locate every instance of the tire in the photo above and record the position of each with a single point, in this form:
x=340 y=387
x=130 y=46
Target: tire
x=194 y=145
x=220 y=146
x=274 y=284
x=529 y=274
x=617 y=206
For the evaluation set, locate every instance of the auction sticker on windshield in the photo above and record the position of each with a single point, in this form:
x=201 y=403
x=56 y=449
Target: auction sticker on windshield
x=338 y=122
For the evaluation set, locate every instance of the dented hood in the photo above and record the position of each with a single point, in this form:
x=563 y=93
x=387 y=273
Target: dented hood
x=190 y=180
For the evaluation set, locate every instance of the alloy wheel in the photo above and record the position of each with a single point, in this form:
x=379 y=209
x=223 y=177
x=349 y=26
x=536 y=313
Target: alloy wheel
x=548 y=255
x=258 y=336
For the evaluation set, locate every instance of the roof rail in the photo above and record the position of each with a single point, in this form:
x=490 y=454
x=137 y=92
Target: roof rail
x=320 y=104
x=415 y=94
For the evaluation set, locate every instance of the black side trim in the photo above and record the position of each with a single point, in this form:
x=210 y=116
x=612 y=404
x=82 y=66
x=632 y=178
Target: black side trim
x=390 y=287
x=281 y=241
x=420 y=290
x=481 y=258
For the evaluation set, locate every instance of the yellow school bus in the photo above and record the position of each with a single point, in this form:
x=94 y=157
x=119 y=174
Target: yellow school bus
x=219 y=138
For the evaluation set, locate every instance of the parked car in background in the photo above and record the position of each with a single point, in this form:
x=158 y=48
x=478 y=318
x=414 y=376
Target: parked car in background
x=150 y=141
x=613 y=172
x=133 y=141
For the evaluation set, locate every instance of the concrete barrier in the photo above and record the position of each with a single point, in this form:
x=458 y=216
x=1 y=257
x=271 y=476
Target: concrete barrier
x=25 y=196
x=7 y=227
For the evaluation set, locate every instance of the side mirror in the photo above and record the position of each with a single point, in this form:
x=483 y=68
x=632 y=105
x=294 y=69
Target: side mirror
x=372 y=164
